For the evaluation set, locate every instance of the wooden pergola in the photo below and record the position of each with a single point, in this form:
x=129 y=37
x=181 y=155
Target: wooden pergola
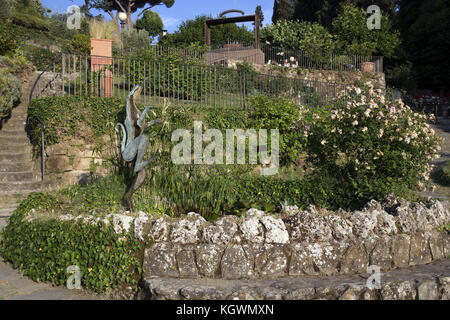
x=221 y=20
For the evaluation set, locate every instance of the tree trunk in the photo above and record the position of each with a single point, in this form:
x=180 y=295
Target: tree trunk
x=129 y=21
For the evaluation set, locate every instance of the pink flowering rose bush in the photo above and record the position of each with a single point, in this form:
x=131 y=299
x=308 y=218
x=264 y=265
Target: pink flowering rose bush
x=372 y=143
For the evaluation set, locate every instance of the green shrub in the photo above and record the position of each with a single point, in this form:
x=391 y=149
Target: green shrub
x=89 y=118
x=80 y=44
x=31 y=21
x=44 y=249
x=8 y=38
x=10 y=92
x=275 y=113
x=311 y=38
x=40 y=57
x=373 y=145
x=442 y=174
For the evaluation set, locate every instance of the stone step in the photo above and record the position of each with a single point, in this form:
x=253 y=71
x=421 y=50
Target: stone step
x=16 y=148
x=12 y=199
x=12 y=133
x=16 y=167
x=21 y=140
x=14 y=125
x=21 y=186
x=427 y=282
x=17 y=176
x=19 y=114
x=15 y=157
x=6 y=212
x=14 y=121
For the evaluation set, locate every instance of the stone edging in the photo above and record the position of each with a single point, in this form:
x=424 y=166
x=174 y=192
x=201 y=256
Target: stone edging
x=391 y=235
x=301 y=243
x=430 y=282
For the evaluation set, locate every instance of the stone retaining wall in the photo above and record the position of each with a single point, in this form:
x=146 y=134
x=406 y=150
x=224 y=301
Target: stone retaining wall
x=75 y=161
x=395 y=234
x=341 y=77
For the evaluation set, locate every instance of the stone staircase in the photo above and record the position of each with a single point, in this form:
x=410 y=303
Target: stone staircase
x=18 y=177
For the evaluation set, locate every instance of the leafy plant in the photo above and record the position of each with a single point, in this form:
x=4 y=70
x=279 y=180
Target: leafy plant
x=10 y=92
x=44 y=249
x=40 y=57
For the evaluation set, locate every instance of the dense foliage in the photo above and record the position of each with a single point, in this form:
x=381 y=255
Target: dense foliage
x=371 y=141
x=44 y=249
x=68 y=117
x=10 y=92
x=192 y=32
x=150 y=22
x=353 y=36
x=306 y=36
x=415 y=58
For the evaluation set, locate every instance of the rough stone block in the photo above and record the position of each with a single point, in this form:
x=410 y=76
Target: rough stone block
x=236 y=264
x=444 y=283
x=271 y=262
x=301 y=262
x=208 y=259
x=428 y=290
x=400 y=250
x=381 y=255
x=419 y=251
x=436 y=243
x=82 y=164
x=159 y=260
x=186 y=264
x=58 y=164
x=355 y=260
x=326 y=257
x=398 y=291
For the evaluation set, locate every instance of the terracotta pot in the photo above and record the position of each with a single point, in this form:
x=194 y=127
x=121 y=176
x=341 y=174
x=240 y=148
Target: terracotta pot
x=101 y=57
x=367 y=66
x=101 y=53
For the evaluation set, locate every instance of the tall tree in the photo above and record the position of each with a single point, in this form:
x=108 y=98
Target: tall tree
x=192 y=32
x=324 y=11
x=150 y=22
x=353 y=37
x=283 y=10
x=425 y=28
x=113 y=7
x=260 y=13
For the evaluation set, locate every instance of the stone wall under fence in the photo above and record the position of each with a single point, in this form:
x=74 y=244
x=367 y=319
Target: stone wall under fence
x=327 y=76
x=76 y=161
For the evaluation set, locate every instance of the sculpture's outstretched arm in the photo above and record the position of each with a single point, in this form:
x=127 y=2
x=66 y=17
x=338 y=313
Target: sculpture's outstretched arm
x=141 y=117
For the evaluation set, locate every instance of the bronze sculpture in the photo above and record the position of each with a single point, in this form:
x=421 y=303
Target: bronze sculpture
x=134 y=141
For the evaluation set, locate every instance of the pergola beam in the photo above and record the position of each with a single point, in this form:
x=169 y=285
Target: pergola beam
x=213 y=22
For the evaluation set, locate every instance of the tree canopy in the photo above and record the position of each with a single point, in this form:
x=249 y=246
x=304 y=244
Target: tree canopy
x=353 y=37
x=127 y=6
x=150 y=22
x=192 y=32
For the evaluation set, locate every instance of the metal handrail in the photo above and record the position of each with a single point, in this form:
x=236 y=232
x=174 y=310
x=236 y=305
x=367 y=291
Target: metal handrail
x=41 y=122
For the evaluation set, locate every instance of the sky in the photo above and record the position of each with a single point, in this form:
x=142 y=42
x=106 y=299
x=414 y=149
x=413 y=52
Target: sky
x=185 y=9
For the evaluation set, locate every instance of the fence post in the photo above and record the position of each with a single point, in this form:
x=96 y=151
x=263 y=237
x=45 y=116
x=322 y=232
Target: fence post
x=215 y=85
x=63 y=72
x=244 y=94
